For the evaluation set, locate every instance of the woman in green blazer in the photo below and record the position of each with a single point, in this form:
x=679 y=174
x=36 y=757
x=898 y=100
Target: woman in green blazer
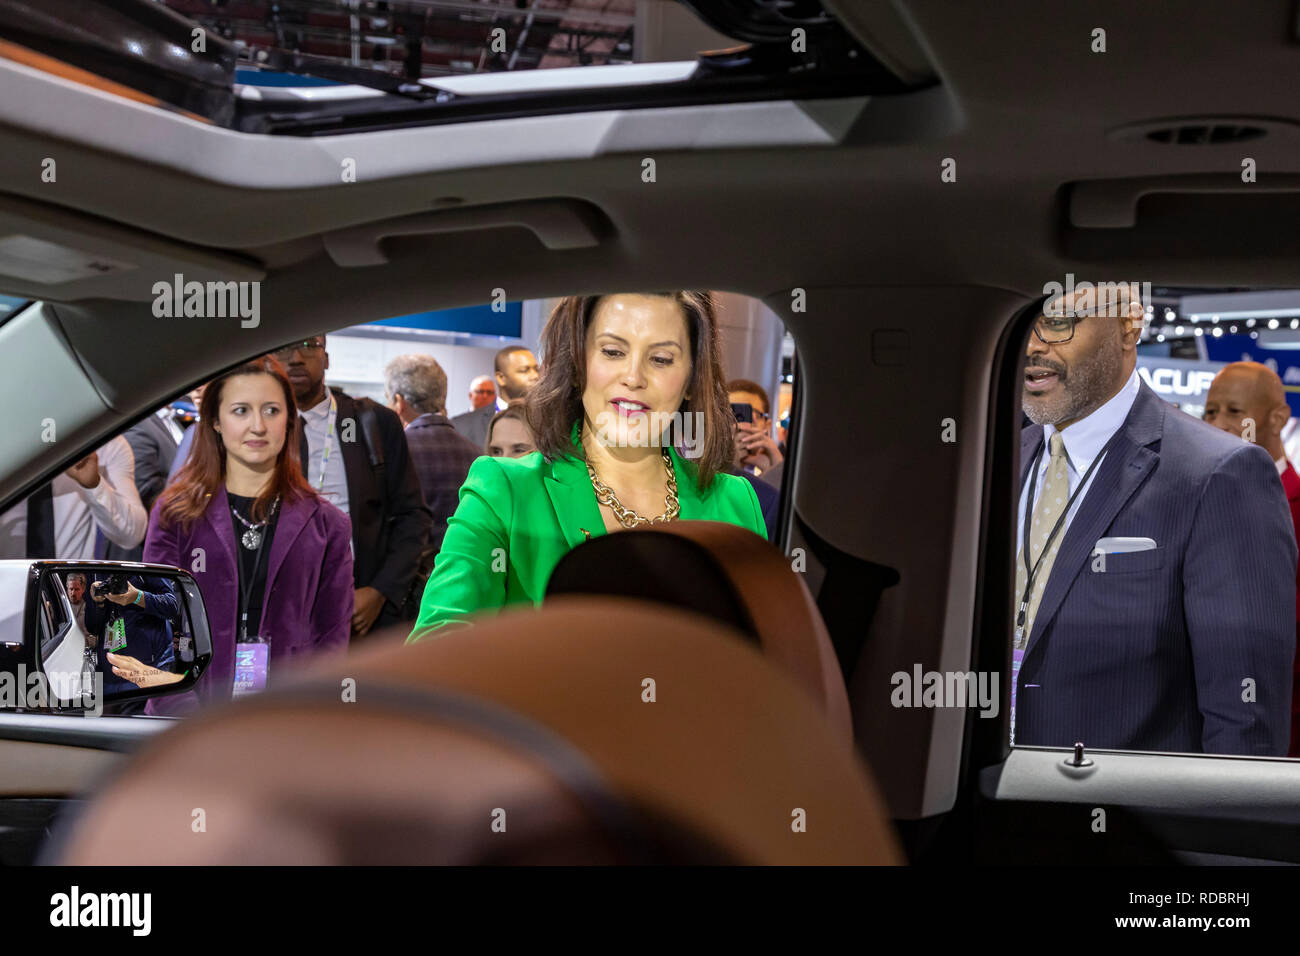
x=633 y=429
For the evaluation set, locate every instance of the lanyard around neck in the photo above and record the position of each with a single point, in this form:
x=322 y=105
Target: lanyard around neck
x=1032 y=572
x=246 y=588
x=329 y=433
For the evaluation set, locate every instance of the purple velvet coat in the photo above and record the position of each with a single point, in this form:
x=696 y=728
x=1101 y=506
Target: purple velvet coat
x=307 y=605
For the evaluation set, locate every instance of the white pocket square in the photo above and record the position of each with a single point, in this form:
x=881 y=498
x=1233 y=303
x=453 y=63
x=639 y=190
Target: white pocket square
x=1122 y=545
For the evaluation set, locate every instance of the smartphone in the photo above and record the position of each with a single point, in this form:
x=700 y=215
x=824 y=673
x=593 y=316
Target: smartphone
x=743 y=411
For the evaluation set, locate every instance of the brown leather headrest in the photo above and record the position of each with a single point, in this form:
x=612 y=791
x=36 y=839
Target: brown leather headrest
x=727 y=573
x=535 y=718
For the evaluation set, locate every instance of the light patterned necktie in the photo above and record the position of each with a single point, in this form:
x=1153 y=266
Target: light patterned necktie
x=1052 y=501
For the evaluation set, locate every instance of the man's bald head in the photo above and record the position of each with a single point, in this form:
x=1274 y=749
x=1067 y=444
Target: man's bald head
x=1247 y=399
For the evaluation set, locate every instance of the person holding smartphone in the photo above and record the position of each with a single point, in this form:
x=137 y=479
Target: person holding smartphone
x=756 y=450
x=744 y=438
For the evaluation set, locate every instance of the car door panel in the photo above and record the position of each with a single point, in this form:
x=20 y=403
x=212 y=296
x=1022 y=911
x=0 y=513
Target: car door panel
x=47 y=762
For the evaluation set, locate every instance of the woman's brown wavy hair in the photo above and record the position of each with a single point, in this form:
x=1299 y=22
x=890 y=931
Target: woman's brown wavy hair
x=187 y=497
x=555 y=402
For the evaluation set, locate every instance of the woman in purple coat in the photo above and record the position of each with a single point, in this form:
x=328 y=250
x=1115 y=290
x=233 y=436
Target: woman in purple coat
x=272 y=558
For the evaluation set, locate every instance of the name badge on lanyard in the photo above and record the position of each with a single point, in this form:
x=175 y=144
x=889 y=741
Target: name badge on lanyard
x=252 y=661
x=115 y=636
x=252 y=653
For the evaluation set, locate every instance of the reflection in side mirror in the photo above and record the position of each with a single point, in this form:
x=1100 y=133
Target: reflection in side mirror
x=82 y=635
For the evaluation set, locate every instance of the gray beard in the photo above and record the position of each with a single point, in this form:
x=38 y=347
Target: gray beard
x=1087 y=389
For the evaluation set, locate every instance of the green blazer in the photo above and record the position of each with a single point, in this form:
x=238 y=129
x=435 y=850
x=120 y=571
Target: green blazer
x=518 y=516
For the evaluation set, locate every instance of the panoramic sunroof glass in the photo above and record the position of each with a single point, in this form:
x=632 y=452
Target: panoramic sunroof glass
x=315 y=67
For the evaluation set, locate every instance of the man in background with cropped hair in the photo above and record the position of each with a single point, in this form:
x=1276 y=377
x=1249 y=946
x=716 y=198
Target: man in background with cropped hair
x=517 y=371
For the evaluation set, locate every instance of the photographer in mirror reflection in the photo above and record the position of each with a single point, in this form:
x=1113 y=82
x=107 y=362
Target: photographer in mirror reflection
x=130 y=618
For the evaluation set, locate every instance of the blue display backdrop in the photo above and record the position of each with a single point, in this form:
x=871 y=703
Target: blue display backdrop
x=270 y=78
x=474 y=319
x=1238 y=348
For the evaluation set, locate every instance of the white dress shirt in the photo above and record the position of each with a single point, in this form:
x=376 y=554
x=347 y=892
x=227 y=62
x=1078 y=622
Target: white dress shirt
x=1280 y=465
x=173 y=427
x=502 y=404
x=112 y=506
x=335 y=486
x=1083 y=441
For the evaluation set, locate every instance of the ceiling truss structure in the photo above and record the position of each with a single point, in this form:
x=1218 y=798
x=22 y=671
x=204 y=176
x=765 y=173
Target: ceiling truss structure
x=423 y=38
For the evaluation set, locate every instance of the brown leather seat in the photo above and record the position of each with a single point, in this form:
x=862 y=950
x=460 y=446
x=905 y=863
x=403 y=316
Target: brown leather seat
x=537 y=718
x=727 y=573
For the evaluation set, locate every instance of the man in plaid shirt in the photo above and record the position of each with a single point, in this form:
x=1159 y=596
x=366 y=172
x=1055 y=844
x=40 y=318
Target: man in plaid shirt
x=416 y=388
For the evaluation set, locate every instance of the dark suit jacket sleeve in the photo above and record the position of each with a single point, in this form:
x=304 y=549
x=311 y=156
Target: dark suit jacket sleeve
x=411 y=520
x=1239 y=577
x=150 y=473
x=159 y=598
x=474 y=425
x=331 y=611
x=164 y=655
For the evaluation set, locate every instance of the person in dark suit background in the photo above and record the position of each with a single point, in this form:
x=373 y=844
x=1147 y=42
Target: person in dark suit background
x=473 y=425
x=416 y=389
x=154 y=442
x=1159 y=615
x=1247 y=399
x=517 y=371
x=354 y=452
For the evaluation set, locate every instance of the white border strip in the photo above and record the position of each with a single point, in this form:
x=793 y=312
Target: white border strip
x=564 y=78
x=317 y=94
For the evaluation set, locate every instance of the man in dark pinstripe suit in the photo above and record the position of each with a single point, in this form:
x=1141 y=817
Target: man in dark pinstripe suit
x=1156 y=562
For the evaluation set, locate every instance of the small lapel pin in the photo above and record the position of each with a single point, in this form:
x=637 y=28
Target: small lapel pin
x=586 y=534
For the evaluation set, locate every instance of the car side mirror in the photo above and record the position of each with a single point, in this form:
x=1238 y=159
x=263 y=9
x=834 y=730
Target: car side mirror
x=61 y=620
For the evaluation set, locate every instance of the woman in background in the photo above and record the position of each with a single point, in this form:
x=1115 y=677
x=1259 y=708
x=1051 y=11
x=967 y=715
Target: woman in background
x=271 y=556
x=508 y=435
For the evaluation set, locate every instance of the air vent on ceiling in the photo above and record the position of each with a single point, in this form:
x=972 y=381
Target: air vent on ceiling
x=1204 y=130
x=1198 y=134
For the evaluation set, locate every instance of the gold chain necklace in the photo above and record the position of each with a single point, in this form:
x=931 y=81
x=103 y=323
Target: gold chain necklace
x=626 y=516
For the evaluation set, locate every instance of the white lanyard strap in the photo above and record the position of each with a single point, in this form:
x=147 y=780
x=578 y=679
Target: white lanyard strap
x=329 y=433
